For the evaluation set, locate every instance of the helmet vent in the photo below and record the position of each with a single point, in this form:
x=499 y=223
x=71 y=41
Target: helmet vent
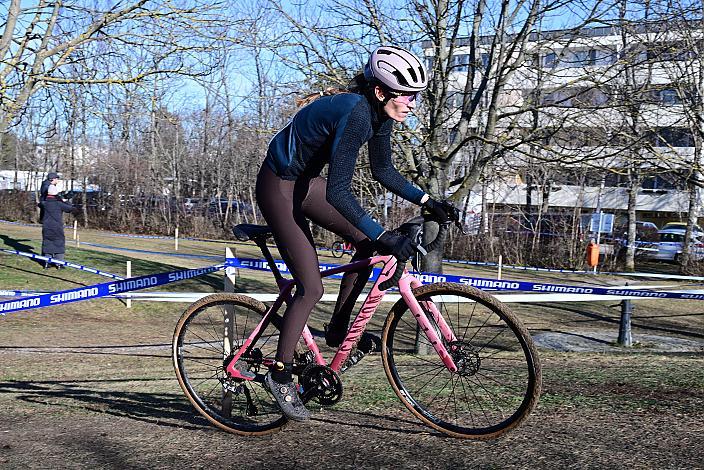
x=400 y=78
x=397 y=69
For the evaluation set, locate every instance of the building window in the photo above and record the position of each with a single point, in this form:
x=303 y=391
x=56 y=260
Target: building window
x=556 y=98
x=657 y=182
x=550 y=60
x=485 y=61
x=577 y=58
x=671 y=51
x=602 y=57
x=669 y=96
x=575 y=97
x=454 y=100
x=673 y=137
x=460 y=62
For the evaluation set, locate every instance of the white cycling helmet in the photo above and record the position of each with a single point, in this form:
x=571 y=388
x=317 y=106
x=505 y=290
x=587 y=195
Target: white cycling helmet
x=397 y=69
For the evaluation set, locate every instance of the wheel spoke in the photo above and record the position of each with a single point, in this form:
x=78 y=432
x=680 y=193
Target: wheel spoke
x=497 y=380
x=238 y=406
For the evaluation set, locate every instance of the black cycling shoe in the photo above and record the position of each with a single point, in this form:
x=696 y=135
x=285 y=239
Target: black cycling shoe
x=334 y=336
x=286 y=396
x=369 y=343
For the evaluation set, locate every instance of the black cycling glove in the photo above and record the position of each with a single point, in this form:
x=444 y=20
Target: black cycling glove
x=391 y=243
x=442 y=211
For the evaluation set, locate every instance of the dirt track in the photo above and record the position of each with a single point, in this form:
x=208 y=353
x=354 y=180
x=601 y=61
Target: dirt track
x=123 y=409
x=90 y=385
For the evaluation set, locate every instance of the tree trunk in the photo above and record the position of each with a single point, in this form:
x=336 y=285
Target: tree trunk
x=692 y=213
x=432 y=262
x=631 y=247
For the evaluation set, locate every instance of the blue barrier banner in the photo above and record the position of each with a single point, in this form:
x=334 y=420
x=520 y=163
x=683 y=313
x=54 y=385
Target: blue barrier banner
x=102 y=290
x=262 y=265
x=163 y=253
x=16 y=293
x=492 y=284
x=3 y=221
x=127 y=235
x=62 y=263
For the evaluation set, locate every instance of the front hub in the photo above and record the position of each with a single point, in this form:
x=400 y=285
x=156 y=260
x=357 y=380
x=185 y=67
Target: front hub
x=466 y=358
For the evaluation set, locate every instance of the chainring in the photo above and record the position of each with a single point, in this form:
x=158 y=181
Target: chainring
x=322 y=384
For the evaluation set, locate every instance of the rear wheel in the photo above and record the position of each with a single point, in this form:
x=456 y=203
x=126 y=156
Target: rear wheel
x=207 y=334
x=337 y=249
x=498 y=380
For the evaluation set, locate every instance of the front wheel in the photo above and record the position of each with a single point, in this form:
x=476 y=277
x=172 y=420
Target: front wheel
x=209 y=331
x=498 y=380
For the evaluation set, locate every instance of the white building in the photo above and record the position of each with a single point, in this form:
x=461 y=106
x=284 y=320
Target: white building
x=581 y=82
x=32 y=181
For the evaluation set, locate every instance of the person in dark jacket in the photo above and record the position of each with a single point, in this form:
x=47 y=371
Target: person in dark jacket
x=330 y=131
x=53 y=239
x=51 y=178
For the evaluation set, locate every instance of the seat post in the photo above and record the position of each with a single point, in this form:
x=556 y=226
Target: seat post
x=261 y=243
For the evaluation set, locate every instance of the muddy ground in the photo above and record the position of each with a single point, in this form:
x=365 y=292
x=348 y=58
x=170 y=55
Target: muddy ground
x=80 y=389
x=90 y=385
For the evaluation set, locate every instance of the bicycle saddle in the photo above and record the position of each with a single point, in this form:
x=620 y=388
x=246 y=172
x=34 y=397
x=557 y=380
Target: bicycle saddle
x=244 y=232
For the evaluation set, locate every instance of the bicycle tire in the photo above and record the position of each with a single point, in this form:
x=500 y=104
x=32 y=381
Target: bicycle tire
x=499 y=378
x=199 y=350
x=337 y=249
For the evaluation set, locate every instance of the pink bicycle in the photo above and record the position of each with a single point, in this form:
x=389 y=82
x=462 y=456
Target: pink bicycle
x=456 y=357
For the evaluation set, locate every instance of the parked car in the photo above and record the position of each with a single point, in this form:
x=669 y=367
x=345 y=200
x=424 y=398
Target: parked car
x=645 y=231
x=646 y=238
x=220 y=205
x=671 y=244
x=683 y=227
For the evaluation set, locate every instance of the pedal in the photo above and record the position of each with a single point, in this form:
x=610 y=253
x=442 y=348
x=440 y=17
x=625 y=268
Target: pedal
x=353 y=359
x=369 y=343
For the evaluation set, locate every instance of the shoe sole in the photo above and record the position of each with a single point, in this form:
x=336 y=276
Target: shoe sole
x=269 y=383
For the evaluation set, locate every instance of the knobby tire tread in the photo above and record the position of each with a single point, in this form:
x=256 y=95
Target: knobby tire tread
x=219 y=298
x=447 y=288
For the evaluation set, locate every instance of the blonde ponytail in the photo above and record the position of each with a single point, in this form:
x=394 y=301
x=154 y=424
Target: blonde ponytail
x=307 y=99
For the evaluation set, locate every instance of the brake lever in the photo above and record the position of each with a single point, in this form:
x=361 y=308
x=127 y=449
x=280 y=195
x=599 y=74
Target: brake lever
x=460 y=227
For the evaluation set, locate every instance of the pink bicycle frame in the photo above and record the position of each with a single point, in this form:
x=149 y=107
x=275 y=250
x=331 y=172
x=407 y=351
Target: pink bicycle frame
x=406 y=284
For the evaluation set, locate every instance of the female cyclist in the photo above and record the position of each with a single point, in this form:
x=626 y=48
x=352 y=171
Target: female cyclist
x=331 y=130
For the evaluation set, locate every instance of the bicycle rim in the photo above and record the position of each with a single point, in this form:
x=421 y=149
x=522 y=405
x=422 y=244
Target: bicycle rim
x=337 y=250
x=200 y=346
x=498 y=380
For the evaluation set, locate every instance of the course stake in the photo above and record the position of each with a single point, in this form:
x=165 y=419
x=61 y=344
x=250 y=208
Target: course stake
x=129 y=275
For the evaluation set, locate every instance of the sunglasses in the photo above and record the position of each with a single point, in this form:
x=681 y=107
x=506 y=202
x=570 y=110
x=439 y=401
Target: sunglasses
x=404 y=98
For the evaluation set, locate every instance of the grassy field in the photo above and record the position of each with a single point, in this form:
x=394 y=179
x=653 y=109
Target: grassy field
x=91 y=385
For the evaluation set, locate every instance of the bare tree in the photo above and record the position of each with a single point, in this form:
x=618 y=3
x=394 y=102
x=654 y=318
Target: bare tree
x=685 y=71
x=462 y=125
x=45 y=44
